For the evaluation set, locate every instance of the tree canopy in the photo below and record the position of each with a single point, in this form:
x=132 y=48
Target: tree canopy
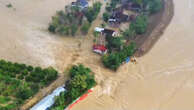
x=81 y=79
x=140 y=24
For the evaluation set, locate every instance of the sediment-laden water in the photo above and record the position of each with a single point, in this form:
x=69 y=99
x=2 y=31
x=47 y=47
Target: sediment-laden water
x=162 y=80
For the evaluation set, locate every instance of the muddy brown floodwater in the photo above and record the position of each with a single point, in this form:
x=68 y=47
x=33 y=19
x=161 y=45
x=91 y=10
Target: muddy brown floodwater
x=162 y=80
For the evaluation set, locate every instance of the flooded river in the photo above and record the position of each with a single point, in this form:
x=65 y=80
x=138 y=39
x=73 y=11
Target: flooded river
x=163 y=79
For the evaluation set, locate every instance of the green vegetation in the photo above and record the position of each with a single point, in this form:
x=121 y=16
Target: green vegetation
x=118 y=51
x=19 y=82
x=140 y=24
x=153 y=6
x=9 y=5
x=68 y=22
x=112 y=5
x=114 y=60
x=80 y=81
x=85 y=27
x=106 y=16
x=92 y=12
x=129 y=33
x=140 y=2
x=114 y=43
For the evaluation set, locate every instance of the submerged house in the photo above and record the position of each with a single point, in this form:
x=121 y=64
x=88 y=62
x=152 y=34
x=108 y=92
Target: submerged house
x=109 y=32
x=118 y=17
x=106 y=32
x=81 y=3
x=100 y=49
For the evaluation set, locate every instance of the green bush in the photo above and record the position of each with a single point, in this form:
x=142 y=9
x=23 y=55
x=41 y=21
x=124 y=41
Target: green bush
x=18 y=89
x=140 y=2
x=85 y=27
x=153 y=5
x=23 y=93
x=92 y=12
x=129 y=33
x=114 y=43
x=69 y=21
x=106 y=16
x=81 y=80
x=114 y=60
x=74 y=29
x=111 y=61
x=140 y=24
x=52 y=28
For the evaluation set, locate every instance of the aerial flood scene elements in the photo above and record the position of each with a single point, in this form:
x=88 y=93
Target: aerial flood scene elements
x=96 y=55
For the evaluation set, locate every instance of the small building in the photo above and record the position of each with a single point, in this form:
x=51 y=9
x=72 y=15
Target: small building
x=81 y=3
x=100 y=49
x=109 y=32
x=98 y=29
x=106 y=32
x=49 y=100
x=118 y=16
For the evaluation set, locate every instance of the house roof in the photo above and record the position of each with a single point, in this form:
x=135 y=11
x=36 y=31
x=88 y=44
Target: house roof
x=99 y=47
x=108 y=31
x=83 y=2
x=98 y=29
x=119 y=17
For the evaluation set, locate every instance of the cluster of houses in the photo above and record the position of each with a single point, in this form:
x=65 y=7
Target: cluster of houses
x=118 y=15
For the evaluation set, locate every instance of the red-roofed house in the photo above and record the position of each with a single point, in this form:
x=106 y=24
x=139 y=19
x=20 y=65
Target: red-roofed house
x=100 y=49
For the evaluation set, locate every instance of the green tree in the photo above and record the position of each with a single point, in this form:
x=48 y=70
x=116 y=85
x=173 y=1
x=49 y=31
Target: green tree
x=23 y=93
x=111 y=61
x=81 y=80
x=74 y=29
x=153 y=5
x=106 y=16
x=140 y=2
x=85 y=27
x=140 y=24
x=114 y=43
x=92 y=12
x=129 y=33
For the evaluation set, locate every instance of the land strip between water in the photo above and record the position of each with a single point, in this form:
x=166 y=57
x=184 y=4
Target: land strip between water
x=158 y=23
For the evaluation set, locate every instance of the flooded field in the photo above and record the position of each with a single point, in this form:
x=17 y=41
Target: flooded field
x=162 y=80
